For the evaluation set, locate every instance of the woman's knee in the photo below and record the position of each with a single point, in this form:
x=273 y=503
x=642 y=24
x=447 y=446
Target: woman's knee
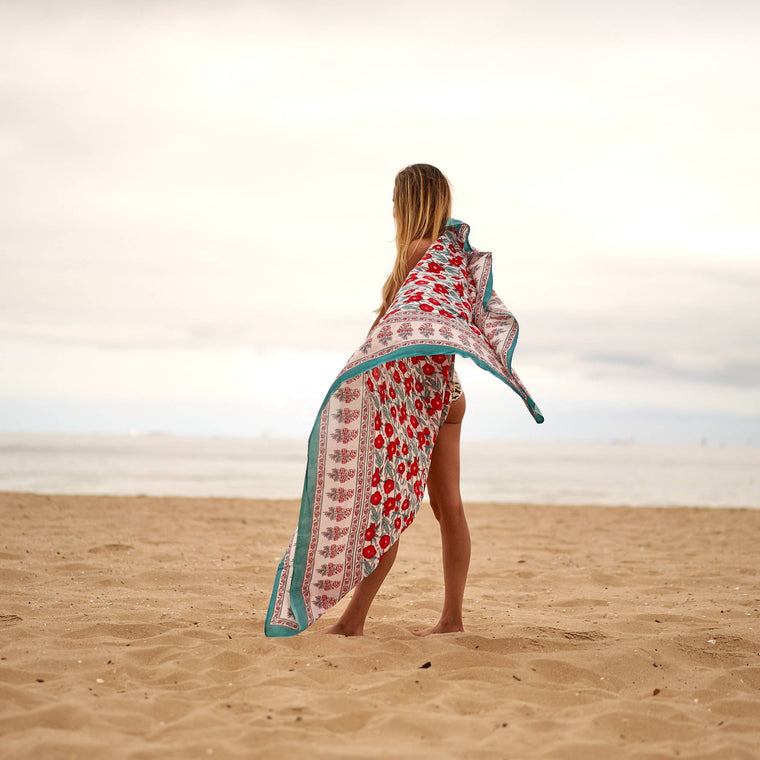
x=434 y=507
x=448 y=510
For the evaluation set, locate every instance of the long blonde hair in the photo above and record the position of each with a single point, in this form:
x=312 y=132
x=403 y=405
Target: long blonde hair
x=421 y=206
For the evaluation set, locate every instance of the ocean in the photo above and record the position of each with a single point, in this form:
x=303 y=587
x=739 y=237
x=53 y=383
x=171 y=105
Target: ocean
x=603 y=474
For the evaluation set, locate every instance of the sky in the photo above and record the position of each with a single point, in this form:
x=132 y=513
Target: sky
x=195 y=207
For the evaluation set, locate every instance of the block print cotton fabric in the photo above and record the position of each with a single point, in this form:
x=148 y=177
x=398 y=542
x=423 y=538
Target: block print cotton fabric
x=370 y=448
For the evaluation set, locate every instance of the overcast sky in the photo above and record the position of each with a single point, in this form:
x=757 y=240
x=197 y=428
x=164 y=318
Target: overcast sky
x=195 y=206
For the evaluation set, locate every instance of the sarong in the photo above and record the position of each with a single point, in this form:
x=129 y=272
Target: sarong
x=370 y=448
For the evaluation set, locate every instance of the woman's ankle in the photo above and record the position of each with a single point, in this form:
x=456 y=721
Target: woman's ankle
x=346 y=628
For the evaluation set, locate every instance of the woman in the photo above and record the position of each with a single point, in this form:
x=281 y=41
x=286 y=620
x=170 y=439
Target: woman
x=421 y=207
x=390 y=424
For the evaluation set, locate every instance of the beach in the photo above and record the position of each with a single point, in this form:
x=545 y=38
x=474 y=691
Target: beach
x=132 y=627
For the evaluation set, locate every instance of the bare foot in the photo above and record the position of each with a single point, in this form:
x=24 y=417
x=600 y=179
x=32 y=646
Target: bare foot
x=340 y=629
x=440 y=627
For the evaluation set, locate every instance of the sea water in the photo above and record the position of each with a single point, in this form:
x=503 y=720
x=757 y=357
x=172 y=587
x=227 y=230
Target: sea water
x=535 y=473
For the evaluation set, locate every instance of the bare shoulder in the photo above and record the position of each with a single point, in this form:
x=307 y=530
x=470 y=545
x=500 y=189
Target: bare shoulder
x=417 y=250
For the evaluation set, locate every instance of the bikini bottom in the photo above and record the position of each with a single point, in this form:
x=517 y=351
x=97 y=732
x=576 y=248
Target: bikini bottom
x=456 y=387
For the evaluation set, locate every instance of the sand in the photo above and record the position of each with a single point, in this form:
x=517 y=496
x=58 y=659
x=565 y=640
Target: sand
x=133 y=628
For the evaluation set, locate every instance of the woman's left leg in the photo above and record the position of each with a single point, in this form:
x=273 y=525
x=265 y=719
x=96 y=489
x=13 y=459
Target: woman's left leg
x=351 y=622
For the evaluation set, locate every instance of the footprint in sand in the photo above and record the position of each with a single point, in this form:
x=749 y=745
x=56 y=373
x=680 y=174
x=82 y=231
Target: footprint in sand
x=110 y=548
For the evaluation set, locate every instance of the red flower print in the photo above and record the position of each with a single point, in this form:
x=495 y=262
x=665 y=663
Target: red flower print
x=439 y=358
x=347 y=395
x=393 y=412
x=385 y=541
x=405 y=505
x=340 y=494
x=376 y=477
x=437 y=247
x=344 y=435
x=415 y=360
x=418 y=386
x=441 y=289
x=415 y=297
x=408 y=384
x=445 y=313
x=400 y=469
x=402 y=414
x=370 y=385
x=369 y=534
x=415 y=422
x=376 y=373
x=376 y=498
x=388 y=429
x=378 y=421
x=418 y=404
x=426 y=307
x=379 y=442
x=414 y=467
x=421 y=438
x=436 y=402
x=392 y=393
x=434 y=266
x=369 y=551
x=428 y=368
x=405 y=449
x=396 y=377
x=392 y=449
x=426 y=431
x=389 y=506
x=402 y=366
x=388 y=486
x=434 y=301
x=344 y=456
x=322 y=601
x=397 y=523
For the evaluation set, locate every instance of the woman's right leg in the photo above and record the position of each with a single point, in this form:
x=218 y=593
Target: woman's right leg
x=446 y=501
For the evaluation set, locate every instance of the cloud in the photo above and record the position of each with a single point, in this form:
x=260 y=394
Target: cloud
x=737 y=373
x=196 y=178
